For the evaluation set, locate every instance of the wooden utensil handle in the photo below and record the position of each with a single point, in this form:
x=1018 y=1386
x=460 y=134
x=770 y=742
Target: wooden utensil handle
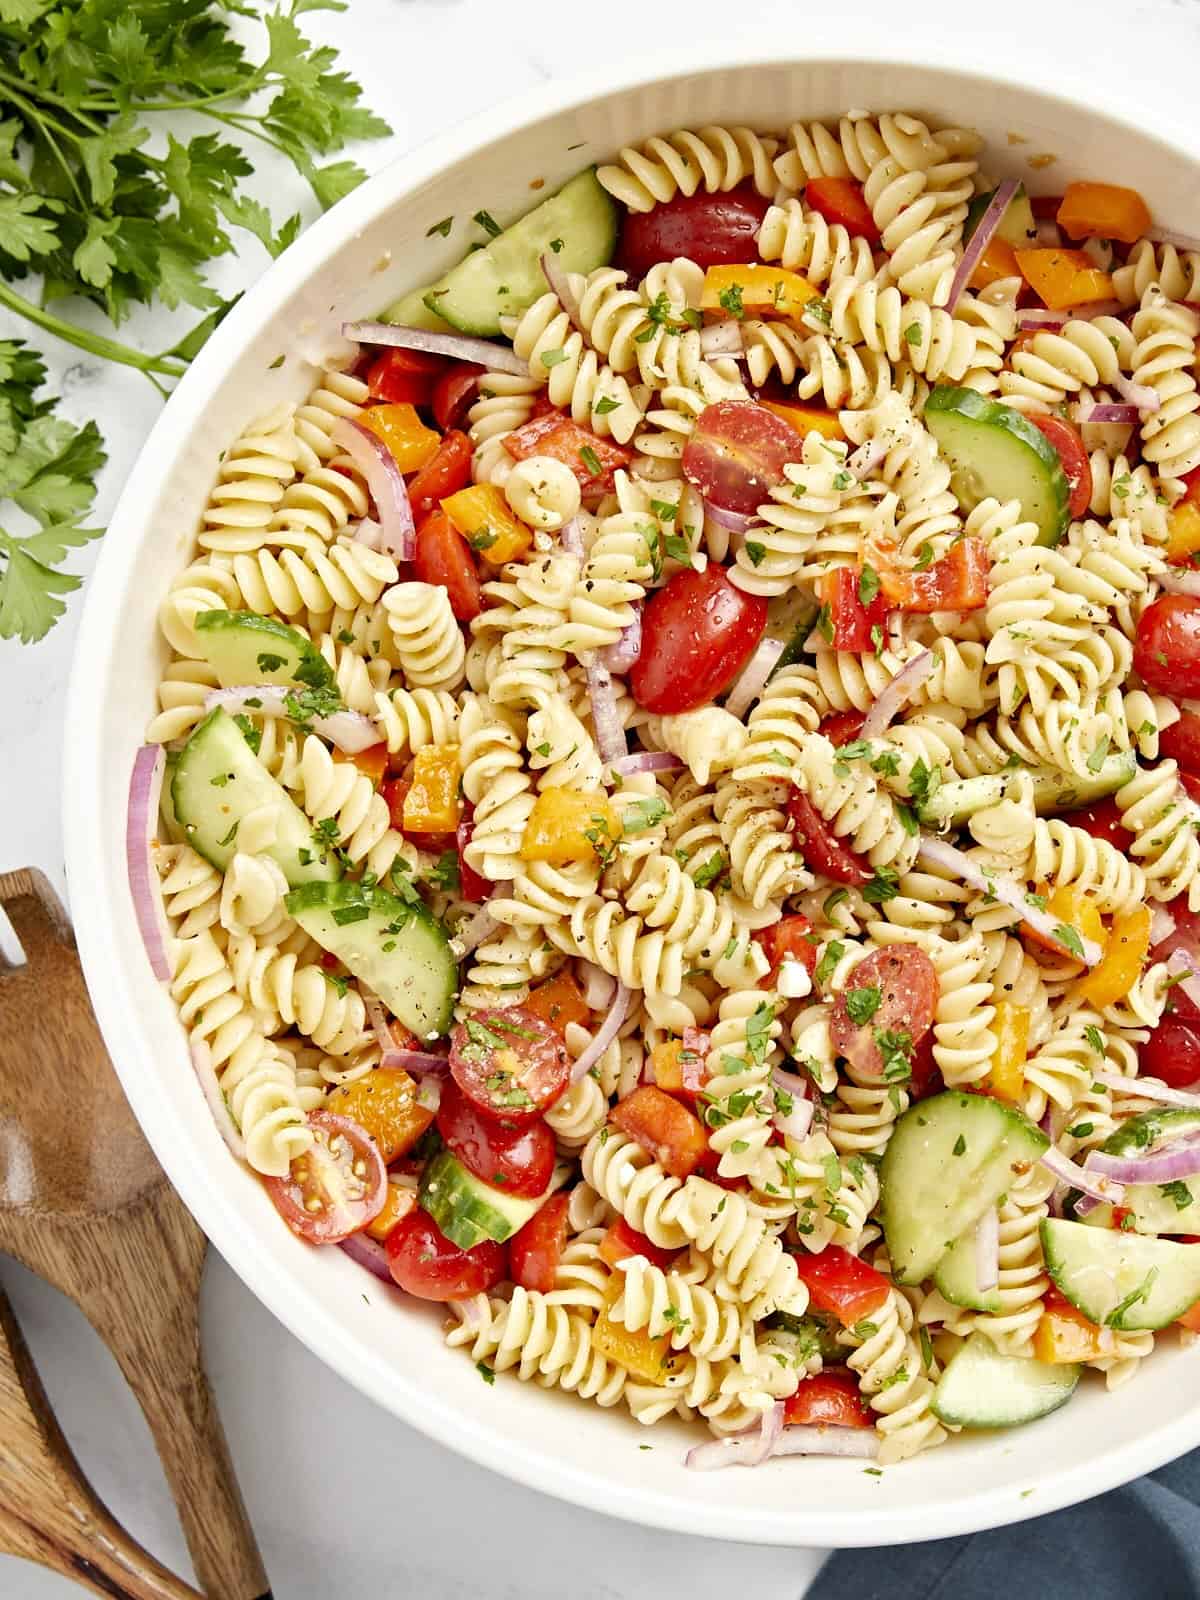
x=106 y=1561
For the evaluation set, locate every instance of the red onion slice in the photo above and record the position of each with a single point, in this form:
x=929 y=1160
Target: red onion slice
x=598 y=986
x=980 y=239
x=458 y=346
x=987 y=1250
x=647 y=761
x=571 y=538
x=481 y=926
x=1106 y=413
x=606 y=717
x=790 y=1082
x=1180 y=580
x=605 y=1035
x=940 y=854
x=1094 y=1184
x=1048 y=235
x=368 y=1253
x=623 y=655
x=860 y=1444
x=897 y=695
x=867 y=457
x=1137 y=394
x=141 y=824
x=417 y=1063
x=753 y=677
x=386 y=483
x=721 y=339
x=797 y=1123
x=370 y=533
x=350 y=731
x=560 y=282
x=1162 y=925
x=1040 y=317
x=748 y=1449
x=222 y=1116
x=1180 y=1159
x=732 y=521
x=378 y=1019
x=1150 y=1089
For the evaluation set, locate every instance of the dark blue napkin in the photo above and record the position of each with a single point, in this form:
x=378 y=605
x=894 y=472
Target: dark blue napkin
x=1139 y=1541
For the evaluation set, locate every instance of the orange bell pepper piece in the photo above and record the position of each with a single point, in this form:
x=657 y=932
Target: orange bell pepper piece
x=1103 y=211
x=568 y=825
x=1183 y=531
x=807 y=419
x=411 y=443
x=999 y=260
x=433 y=803
x=1006 y=1075
x=372 y=762
x=1072 y=909
x=958 y=582
x=1124 y=956
x=680 y=1070
x=1063 y=278
x=559 y=1001
x=1064 y=1335
x=649 y=1359
x=398 y=1202
x=755 y=291
x=486 y=521
x=384 y=1104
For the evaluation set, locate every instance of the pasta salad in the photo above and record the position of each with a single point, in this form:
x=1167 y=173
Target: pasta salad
x=671 y=821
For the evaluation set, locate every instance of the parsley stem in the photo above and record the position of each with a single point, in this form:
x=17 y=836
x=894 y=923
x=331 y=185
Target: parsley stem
x=94 y=343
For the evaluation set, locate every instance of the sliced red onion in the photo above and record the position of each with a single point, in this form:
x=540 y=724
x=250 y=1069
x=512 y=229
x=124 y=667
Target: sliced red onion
x=606 y=1033
x=598 y=986
x=459 y=346
x=370 y=533
x=1180 y=580
x=386 y=483
x=987 y=1250
x=1089 y=1183
x=861 y=1444
x=1150 y=1089
x=747 y=1449
x=940 y=854
x=867 y=457
x=1048 y=235
x=797 y=1123
x=721 y=339
x=141 y=824
x=732 y=521
x=1137 y=394
x=1106 y=412
x=606 y=718
x=753 y=677
x=623 y=655
x=790 y=1082
x=203 y=1063
x=350 y=731
x=481 y=926
x=1091 y=309
x=1180 y=1159
x=559 y=280
x=1181 y=241
x=1040 y=317
x=1162 y=925
x=897 y=695
x=378 y=1019
x=571 y=538
x=368 y=1253
x=696 y=1042
x=1181 y=964
x=417 y=1063
x=980 y=239
x=647 y=761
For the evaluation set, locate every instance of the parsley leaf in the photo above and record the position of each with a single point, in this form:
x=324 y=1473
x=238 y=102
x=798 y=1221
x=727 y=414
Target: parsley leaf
x=862 y=1004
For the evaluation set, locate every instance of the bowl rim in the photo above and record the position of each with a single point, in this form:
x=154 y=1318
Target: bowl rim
x=108 y=967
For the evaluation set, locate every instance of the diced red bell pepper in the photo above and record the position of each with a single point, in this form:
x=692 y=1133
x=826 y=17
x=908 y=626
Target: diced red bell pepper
x=622 y=1241
x=593 y=460
x=958 y=582
x=841 y=1284
x=847 y=620
x=399 y=375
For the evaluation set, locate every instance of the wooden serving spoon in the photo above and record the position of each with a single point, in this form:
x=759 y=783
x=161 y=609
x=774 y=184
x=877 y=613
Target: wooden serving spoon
x=84 y=1204
x=48 y=1511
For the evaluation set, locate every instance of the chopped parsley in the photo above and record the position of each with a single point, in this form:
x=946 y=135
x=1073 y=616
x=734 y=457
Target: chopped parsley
x=487 y=222
x=443 y=228
x=868 y=584
x=591 y=460
x=642 y=814
x=862 y=1004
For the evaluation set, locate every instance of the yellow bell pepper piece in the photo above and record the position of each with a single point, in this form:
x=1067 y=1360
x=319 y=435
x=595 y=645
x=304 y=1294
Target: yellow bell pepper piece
x=1006 y=1076
x=1183 y=531
x=568 y=825
x=433 y=803
x=411 y=443
x=652 y=1360
x=807 y=419
x=1103 y=211
x=1064 y=1336
x=396 y=1206
x=999 y=260
x=756 y=291
x=486 y=521
x=384 y=1104
x=1124 y=956
x=1064 y=278
x=1070 y=908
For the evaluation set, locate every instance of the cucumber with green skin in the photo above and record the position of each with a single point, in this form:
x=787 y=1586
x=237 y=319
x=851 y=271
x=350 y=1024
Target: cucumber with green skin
x=953 y=804
x=955 y=1278
x=218 y=781
x=1121 y=1280
x=949 y=1159
x=983 y=1388
x=1151 y=1207
x=1017 y=227
x=578 y=225
x=395 y=948
x=245 y=648
x=994 y=451
x=791 y=618
x=468 y=1210
x=410 y=311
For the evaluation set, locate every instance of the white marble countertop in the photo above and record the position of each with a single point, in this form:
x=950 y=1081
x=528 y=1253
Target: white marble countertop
x=347 y=1500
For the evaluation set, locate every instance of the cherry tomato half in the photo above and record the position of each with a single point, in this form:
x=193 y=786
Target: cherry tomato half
x=453 y=393
x=1166 y=652
x=1172 y=1053
x=336 y=1187
x=822 y=850
x=891 y=991
x=443 y=557
x=842 y=727
x=840 y=200
x=509 y=1063
x=1102 y=821
x=621 y=1241
x=1181 y=742
x=472 y=885
x=668 y=1130
x=399 y=375
x=926 y=1074
x=1074 y=458
x=425 y=1263
x=518 y=1159
x=829 y=1399
x=710 y=229
x=536 y=1249
x=449 y=469
x=736 y=454
x=698 y=632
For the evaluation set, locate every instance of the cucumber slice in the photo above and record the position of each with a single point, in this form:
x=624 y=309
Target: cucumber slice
x=948 y=1160
x=505 y=277
x=1018 y=226
x=166 y=801
x=398 y=950
x=467 y=1209
x=994 y=450
x=791 y=618
x=218 y=781
x=952 y=804
x=955 y=1278
x=410 y=311
x=981 y=1388
x=245 y=648
x=1121 y=1280
x=1153 y=1207
x=1150 y=1128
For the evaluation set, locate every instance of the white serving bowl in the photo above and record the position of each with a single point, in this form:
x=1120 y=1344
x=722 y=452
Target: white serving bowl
x=351 y=263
